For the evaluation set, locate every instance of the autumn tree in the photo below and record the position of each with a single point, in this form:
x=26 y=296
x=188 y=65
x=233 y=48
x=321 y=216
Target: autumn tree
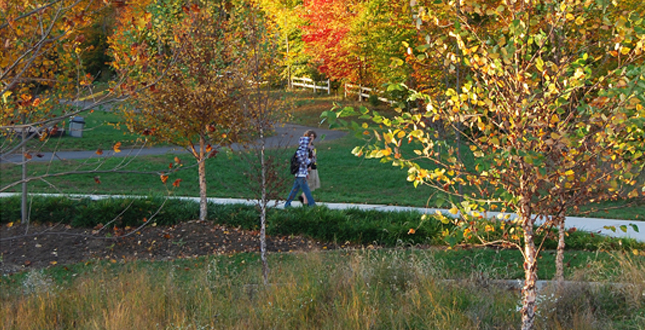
x=188 y=57
x=285 y=15
x=41 y=74
x=264 y=108
x=40 y=64
x=381 y=31
x=550 y=110
x=327 y=39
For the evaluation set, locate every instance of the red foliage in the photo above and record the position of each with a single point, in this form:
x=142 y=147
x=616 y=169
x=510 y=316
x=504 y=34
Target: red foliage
x=325 y=38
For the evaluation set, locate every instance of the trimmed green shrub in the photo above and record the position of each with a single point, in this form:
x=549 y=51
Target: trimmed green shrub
x=339 y=226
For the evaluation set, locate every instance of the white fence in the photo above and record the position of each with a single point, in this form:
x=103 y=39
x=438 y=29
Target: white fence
x=310 y=83
x=364 y=93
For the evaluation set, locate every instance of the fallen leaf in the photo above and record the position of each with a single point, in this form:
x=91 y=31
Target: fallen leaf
x=117 y=147
x=99 y=151
x=53 y=262
x=97 y=180
x=411 y=231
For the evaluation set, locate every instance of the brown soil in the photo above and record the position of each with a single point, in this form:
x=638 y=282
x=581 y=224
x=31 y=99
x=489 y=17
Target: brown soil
x=41 y=246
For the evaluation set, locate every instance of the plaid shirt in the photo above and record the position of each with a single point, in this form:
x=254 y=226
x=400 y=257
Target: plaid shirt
x=303 y=157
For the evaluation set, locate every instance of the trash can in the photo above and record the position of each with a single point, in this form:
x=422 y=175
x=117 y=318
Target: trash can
x=76 y=127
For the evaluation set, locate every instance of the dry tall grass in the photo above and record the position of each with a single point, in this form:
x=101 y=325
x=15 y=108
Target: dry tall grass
x=357 y=290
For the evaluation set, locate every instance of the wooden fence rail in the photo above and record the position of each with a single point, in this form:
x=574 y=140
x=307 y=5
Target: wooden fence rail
x=364 y=93
x=310 y=83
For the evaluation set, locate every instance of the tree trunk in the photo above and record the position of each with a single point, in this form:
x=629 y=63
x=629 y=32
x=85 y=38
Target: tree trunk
x=24 y=219
x=530 y=265
x=263 y=213
x=559 y=258
x=203 y=202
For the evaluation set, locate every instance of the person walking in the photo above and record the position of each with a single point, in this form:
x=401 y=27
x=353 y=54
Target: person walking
x=300 y=182
x=312 y=180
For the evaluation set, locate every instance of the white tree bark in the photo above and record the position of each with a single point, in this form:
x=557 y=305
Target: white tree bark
x=559 y=258
x=529 y=290
x=203 y=202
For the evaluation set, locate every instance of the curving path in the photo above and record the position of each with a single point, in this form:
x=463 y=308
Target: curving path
x=285 y=136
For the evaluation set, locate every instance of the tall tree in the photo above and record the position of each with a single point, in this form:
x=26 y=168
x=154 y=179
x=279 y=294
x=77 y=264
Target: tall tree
x=326 y=37
x=551 y=110
x=264 y=108
x=382 y=32
x=286 y=15
x=188 y=58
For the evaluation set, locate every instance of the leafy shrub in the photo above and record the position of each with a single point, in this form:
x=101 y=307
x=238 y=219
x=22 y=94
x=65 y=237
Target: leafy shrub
x=353 y=225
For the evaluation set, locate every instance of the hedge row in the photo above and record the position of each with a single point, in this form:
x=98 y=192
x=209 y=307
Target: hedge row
x=340 y=226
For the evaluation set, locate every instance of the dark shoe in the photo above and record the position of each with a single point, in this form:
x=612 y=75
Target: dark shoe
x=302 y=200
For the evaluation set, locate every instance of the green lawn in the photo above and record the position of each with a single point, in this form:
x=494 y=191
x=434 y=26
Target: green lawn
x=344 y=178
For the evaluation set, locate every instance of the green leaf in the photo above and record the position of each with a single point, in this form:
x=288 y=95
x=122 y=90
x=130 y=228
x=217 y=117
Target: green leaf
x=623 y=228
x=634 y=227
x=346 y=112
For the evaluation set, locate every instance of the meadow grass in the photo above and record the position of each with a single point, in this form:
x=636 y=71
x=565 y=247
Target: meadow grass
x=367 y=289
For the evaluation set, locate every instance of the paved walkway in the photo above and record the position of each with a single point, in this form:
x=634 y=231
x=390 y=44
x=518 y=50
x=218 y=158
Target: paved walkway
x=285 y=136
x=593 y=225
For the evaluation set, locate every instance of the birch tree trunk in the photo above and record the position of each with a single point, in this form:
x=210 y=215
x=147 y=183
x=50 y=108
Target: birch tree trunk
x=559 y=258
x=263 y=212
x=530 y=262
x=203 y=202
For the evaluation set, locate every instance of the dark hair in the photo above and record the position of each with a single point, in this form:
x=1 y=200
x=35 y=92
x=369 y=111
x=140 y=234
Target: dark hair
x=310 y=133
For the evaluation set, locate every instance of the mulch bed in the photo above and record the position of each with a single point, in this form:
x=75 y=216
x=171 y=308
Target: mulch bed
x=43 y=245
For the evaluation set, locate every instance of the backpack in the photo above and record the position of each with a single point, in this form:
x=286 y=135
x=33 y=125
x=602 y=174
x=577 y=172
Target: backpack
x=295 y=164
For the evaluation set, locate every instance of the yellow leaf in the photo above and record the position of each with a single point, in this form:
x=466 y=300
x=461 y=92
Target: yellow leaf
x=454 y=210
x=117 y=147
x=555 y=119
x=53 y=262
x=5 y=95
x=580 y=20
x=10 y=224
x=624 y=50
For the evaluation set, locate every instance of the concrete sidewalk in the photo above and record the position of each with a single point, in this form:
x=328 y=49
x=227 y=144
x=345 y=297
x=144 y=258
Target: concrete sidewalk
x=592 y=225
x=285 y=136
